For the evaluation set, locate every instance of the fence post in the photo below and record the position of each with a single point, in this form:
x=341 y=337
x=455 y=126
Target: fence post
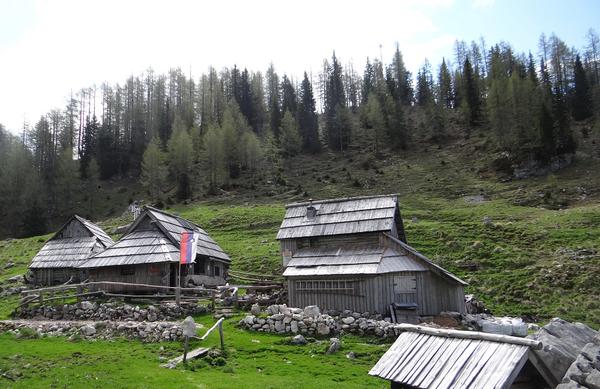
x=221 y=333
x=213 y=300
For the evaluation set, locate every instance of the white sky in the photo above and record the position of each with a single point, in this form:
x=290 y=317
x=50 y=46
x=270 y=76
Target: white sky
x=50 y=47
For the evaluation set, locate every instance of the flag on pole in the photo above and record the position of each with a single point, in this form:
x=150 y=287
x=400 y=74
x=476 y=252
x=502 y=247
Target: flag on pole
x=189 y=240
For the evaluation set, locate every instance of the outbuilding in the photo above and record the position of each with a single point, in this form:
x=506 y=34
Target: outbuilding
x=74 y=243
x=148 y=254
x=352 y=254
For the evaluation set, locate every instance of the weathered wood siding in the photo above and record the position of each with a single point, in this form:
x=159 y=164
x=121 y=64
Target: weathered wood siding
x=374 y=294
x=52 y=276
x=290 y=246
x=149 y=274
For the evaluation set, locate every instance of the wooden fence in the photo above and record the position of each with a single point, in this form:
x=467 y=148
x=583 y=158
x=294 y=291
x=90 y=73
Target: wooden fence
x=80 y=291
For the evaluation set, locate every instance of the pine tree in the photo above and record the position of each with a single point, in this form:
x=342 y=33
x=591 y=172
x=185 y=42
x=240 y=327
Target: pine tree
x=445 y=93
x=581 y=100
x=375 y=121
x=307 y=118
x=337 y=120
x=472 y=96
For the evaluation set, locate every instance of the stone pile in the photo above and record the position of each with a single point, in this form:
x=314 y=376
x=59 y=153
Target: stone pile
x=112 y=311
x=145 y=331
x=311 y=321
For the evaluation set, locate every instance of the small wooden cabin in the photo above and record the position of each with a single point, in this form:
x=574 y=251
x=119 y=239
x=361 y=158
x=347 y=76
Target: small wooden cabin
x=74 y=243
x=148 y=253
x=429 y=358
x=352 y=254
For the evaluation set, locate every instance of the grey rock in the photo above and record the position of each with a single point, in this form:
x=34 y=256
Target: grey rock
x=255 y=309
x=312 y=311
x=563 y=341
x=299 y=339
x=88 y=330
x=335 y=346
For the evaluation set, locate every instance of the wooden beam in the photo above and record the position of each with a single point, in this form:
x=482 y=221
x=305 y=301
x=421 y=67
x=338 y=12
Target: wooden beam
x=533 y=344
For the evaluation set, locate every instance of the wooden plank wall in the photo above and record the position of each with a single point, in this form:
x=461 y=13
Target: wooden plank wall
x=143 y=275
x=375 y=294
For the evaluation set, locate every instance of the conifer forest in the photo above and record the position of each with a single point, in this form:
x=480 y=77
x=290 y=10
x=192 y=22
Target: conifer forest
x=169 y=132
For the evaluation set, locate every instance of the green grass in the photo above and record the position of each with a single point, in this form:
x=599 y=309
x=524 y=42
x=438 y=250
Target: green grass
x=250 y=359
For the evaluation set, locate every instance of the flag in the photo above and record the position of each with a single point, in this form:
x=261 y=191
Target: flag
x=189 y=240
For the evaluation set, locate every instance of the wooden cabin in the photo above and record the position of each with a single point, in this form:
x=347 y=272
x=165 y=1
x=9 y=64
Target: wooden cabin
x=352 y=254
x=430 y=358
x=148 y=253
x=74 y=243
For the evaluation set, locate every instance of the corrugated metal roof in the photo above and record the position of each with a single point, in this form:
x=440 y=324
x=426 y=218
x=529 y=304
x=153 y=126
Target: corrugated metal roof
x=323 y=261
x=340 y=216
x=157 y=244
x=427 y=361
x=61 y=252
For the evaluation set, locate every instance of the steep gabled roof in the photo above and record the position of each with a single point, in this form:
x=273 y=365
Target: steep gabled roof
x=65 y=252
x=155 y=237
x=342 y=216
x=434 y=358
x=357 y=260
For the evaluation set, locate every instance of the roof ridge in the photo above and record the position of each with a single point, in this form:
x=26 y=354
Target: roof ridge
x=343 y=199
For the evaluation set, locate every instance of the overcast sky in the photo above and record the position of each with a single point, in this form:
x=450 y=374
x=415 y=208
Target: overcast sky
x=49 y=48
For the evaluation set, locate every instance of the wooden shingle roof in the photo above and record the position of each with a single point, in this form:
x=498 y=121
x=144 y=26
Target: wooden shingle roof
x=155 y=237
x=341 y=216
x=430 y=358
x=368 y=260
x=71 y=251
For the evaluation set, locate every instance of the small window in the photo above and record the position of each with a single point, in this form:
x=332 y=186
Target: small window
x=217 y=271
x=200 y=266
x=128 y=271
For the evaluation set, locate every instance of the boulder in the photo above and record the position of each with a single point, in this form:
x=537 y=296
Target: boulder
x=255 y=309
x=189 y=327
x=298 y=339
x=334 y=346
x=312 y=311
x=563 y=341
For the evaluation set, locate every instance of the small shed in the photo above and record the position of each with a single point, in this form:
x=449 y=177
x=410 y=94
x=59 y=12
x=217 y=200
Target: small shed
x=430 y=358
x=74 y=243
x=352 y=254
x=148 y=253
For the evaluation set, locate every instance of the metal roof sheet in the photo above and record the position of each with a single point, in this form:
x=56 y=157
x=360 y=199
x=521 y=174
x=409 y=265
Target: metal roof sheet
x=340 y=216
x=324 y=261
x=427 y=361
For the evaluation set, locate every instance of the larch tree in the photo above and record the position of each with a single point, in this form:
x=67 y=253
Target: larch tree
x=290 y=140
x=154 y=170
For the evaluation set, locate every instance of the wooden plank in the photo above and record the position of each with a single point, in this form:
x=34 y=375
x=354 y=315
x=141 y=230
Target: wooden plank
x=455 y=361
x=477 y=362
x=475 y=335
x=197 y=353
x=422 y=364
x=436 y=364
x=498 y=370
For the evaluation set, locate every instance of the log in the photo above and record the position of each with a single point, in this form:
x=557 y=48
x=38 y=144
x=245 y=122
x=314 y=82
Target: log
x=533 y=344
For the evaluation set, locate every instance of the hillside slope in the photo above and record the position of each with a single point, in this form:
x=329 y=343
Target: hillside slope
x=527 y=247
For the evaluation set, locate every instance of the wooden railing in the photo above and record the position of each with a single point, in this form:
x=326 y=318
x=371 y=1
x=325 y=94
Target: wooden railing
x=80 y=291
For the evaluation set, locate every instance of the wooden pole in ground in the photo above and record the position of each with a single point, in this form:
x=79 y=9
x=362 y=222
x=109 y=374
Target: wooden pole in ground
x=221 y=333
x=187 y=343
